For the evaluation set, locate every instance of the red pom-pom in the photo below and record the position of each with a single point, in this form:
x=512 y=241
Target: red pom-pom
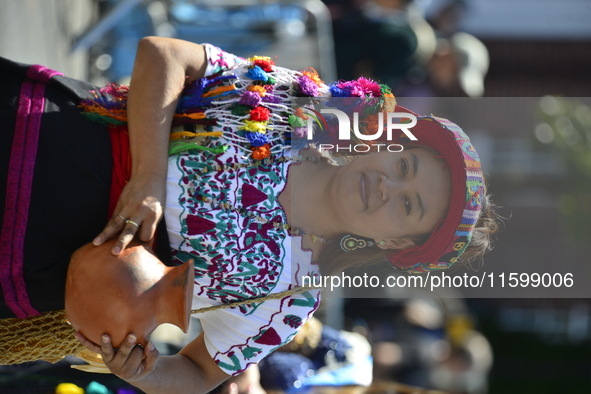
x=264 y=64
x=259 y=114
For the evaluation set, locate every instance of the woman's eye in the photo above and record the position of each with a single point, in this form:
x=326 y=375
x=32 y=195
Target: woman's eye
x=404 y=167
x=407 y=206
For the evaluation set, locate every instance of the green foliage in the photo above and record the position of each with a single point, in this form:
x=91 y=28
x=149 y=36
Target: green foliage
x=565 y=126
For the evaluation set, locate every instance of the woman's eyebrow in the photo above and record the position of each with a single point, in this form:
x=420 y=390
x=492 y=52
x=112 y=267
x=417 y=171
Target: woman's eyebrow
x=421 y=207
x=415 y=165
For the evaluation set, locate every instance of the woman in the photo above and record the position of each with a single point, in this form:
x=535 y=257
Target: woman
x=248 y=225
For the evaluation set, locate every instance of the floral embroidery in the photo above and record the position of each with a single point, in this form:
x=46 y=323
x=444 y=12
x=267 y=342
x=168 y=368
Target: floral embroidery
x=238 y=256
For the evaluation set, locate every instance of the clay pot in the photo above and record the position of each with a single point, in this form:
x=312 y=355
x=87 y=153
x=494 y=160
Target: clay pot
x=130 y=293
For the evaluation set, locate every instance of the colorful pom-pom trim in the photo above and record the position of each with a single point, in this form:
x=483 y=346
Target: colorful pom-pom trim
x=253 y=98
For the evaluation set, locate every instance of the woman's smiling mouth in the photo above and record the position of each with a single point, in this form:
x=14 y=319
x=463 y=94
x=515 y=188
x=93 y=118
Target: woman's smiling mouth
x=364 y=189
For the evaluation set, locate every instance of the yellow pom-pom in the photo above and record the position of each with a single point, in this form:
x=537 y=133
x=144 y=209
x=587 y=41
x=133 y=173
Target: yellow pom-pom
x=252 y=59
x=68 y=388
x=259 y=89
x=180 y=134
x=389 y=103
x=255 y=127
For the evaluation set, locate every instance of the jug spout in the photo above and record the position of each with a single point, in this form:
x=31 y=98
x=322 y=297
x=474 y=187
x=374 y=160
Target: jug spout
x=179 y=283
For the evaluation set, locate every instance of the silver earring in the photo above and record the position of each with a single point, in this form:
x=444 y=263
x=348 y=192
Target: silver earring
x=350 y=243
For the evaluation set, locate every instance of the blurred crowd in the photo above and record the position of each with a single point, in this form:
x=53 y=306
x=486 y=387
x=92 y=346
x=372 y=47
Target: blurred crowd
x=393 y=345
x=414 y=46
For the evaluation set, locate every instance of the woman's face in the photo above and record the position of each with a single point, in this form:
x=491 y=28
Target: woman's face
x=392 y=196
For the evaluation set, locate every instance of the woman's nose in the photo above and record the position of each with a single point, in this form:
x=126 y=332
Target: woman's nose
x=388 y=186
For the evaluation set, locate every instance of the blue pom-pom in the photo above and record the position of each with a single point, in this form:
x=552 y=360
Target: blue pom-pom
x=256 y=139
x=257 y=74
x=338 y=92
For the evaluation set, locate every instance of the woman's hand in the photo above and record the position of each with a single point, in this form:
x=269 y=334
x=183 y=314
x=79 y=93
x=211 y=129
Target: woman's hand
x=130 y=362
x=137 y=213
x=192 y=370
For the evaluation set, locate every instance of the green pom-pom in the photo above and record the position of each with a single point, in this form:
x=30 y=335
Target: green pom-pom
x=385 y=89
x=296 y=121
x=240 y=110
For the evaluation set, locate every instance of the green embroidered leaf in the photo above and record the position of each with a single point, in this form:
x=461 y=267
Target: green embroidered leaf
x=294 y=321
x=309 y=302
x=235 y=363
x=250 y=352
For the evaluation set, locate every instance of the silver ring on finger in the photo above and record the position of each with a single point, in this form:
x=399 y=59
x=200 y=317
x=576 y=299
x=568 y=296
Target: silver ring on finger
x=121 y=217
x=132 y=222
